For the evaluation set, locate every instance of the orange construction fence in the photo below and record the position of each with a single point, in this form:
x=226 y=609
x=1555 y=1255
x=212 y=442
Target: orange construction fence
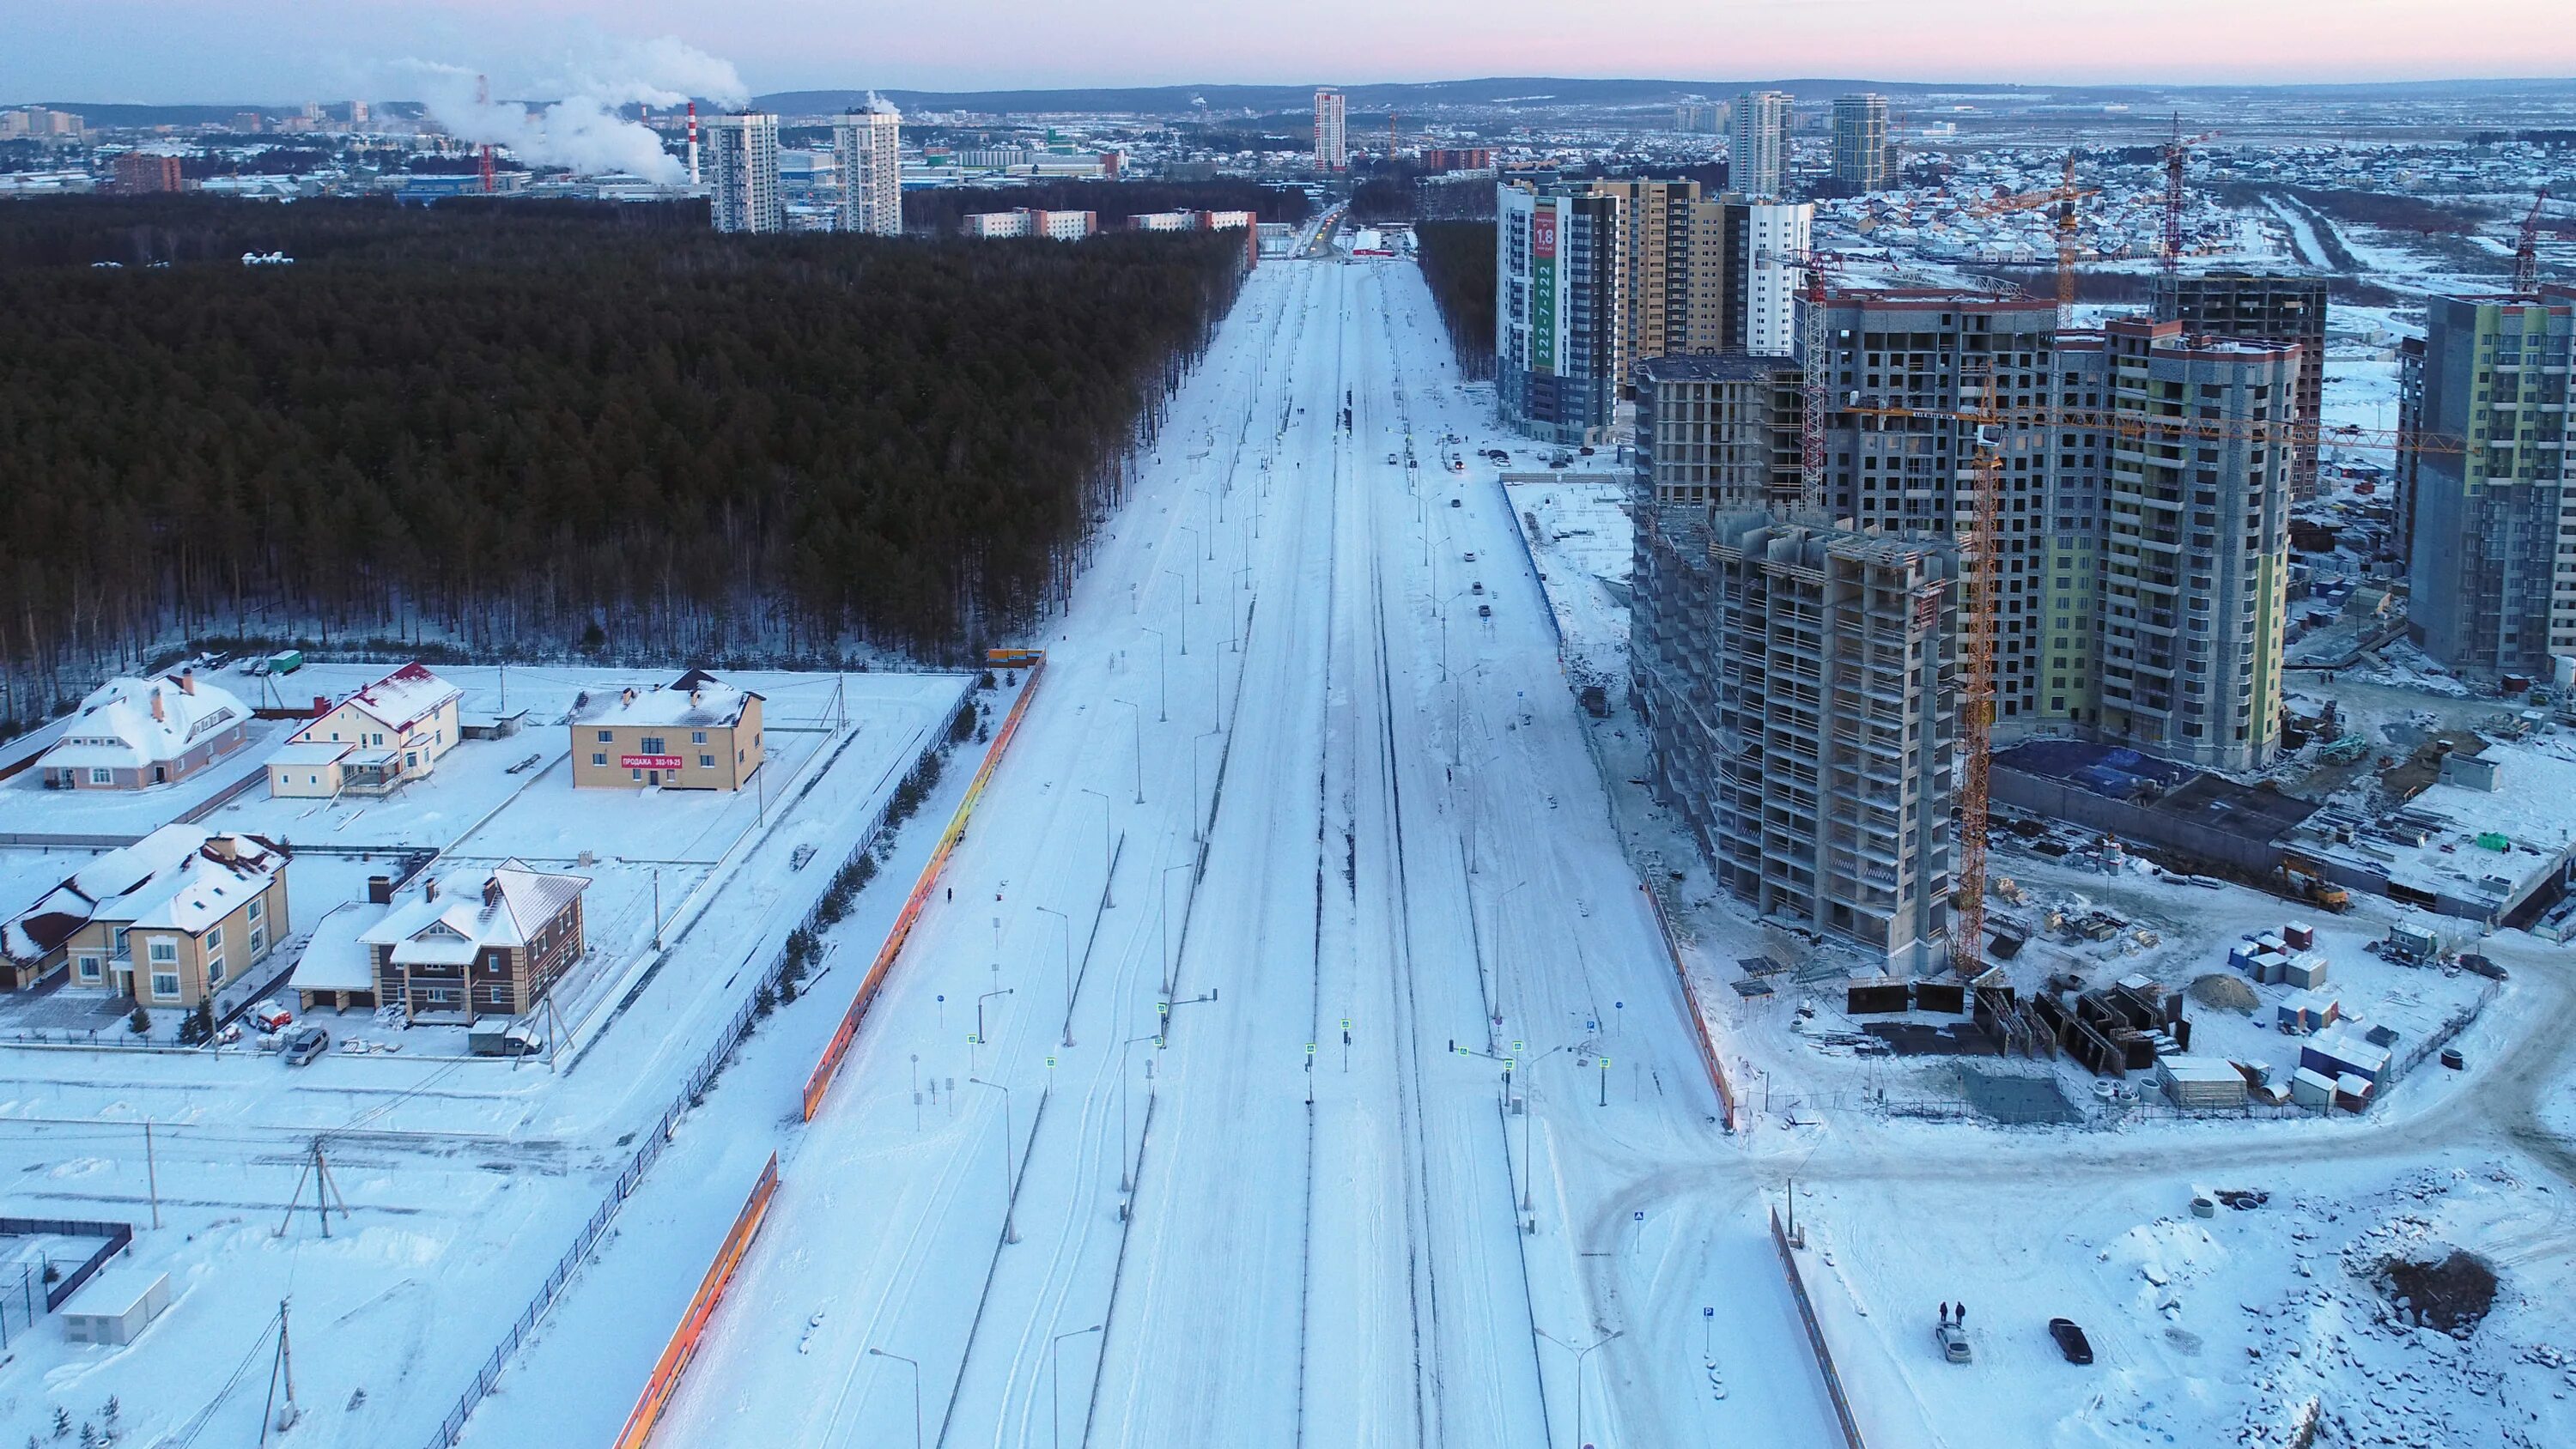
x=820 y=1082
x=702 y=1307
x=1699 y=1019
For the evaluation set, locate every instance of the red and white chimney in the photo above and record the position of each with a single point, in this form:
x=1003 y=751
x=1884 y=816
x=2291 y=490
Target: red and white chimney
x=693 y=143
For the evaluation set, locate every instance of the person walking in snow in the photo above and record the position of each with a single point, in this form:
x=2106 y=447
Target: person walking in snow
x=1963 y=1315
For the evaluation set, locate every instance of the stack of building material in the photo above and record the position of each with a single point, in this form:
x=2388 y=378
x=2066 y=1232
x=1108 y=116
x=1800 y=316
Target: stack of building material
x=1946 y=996
x=2200 y=1082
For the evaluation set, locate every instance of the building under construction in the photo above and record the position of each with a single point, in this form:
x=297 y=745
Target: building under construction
x=1801 y=708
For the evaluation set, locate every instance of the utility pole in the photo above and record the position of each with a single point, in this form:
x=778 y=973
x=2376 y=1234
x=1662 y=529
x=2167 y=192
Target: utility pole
x=282 y=1368
x=151 y=1172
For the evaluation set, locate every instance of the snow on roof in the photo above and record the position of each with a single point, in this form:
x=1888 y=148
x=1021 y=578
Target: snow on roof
x=335 y=957
x=134 y=723
x=180 y=877
x=697 y=699
x=405 y=697
x=506 y=907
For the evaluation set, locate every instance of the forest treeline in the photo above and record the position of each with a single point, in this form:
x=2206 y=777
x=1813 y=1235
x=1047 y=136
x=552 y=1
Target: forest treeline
x=1458 y=263
x=940 y=208
x=529 y=425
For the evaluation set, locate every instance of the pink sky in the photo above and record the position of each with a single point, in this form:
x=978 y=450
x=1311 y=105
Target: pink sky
x=277 y=50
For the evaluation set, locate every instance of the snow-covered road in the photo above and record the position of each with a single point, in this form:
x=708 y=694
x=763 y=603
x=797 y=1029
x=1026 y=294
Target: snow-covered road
x=1361 y=851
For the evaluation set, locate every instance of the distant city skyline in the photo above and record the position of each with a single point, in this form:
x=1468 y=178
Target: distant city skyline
x=278 y=51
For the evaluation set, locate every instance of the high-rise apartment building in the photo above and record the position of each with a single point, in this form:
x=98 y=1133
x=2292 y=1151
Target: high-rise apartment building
x=1330 y=152
x=2167 y=567
x=1655 y=264
x=141 y=173
x=2138 y=585
x=741 y=169
x=1559 y=318
x=868 y=144
x=1758 y=164
x=1953 y=352
x=1699 y=118
x=1860 y=143
x=1765 y=240
x=1801 y=711
x=2491 y=563
x=1719 y=430
x=2251 y=304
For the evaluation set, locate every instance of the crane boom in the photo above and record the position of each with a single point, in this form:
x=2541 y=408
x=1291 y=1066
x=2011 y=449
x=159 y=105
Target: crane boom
x=2526 y=249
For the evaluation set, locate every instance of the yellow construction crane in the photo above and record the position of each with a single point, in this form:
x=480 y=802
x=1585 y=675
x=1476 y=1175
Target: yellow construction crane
x=1978 y=615
x=2064 y=196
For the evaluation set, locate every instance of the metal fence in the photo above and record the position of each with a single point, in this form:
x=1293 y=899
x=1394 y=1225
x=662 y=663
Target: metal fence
x=632 y=1176
x=18 y=1301
x=1816 y=1336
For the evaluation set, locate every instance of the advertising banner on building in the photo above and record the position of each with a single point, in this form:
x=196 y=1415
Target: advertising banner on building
x=648 y=762
x=1542 y=352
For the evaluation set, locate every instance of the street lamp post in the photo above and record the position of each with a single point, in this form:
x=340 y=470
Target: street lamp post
x=1500 y=902
x=916 y=1390
x=1010 y=1180
x=1163 y=923
x=1195 y=831
x=1064 y=924
x=1184 y=617
x=1580 y=1354
x=1194 y=562
x=1055 y=1379
x=1162 y=675
x=1126 y=1074
x=1140 y=745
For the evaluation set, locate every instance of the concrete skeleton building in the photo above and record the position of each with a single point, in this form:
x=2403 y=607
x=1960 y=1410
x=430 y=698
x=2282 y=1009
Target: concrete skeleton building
x=2257 y=304
x=741 y=171
x=1860 y=144
x=1801 y=712
x=2492 y=510
x=867 y=143
x=1331 y=154
x=1719 y=431
x=1758 y=163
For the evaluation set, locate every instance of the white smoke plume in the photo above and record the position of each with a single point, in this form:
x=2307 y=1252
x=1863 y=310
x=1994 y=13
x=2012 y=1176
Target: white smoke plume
x=583 y=130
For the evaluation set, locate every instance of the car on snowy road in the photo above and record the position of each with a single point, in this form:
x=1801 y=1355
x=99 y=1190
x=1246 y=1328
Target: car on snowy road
x=1954 y=1343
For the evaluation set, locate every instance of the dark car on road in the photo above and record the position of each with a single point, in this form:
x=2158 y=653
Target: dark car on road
x=2071 y=1340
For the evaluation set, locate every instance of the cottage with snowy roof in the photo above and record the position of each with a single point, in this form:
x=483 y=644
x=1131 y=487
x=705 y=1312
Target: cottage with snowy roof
x=373 y=742
x=131 y=734
x=695 y=733
x=470 y=946
x=166 y=920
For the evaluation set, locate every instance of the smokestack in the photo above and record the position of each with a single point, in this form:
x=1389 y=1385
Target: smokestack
x=187 y=681
x=693 y=143
x=157 y=711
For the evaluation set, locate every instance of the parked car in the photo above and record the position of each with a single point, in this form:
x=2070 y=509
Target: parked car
x=1484 y=611
x=1954 y=1343
x=1453 y=502
x=307 y=1044
x=2071 y=1340
x=270 y=1016
x=504 y=1041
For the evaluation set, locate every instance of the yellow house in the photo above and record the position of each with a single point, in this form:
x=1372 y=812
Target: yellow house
x=166 y=920
x=373 y=742
x=695 y=733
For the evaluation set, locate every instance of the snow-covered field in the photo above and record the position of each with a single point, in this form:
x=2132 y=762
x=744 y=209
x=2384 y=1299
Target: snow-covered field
x=464 y=1179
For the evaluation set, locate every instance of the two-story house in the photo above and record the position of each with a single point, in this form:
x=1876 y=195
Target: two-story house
x=166 y=920
x=695 y=733
x=468 y=947
x=387 y=734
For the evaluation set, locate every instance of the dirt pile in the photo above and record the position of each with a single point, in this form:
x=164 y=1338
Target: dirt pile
x=2451 y=1294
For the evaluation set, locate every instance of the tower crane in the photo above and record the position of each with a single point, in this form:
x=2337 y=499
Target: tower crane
x=1977 y=616
x=2065 y=197
x=2177 y=153
x=2526 y=249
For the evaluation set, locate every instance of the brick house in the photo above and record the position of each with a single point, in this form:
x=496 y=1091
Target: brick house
x=466 y=947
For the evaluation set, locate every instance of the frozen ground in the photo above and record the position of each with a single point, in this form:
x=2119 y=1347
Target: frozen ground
x=1578 y=529
x=1280 y=1236
x=464 y=1179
